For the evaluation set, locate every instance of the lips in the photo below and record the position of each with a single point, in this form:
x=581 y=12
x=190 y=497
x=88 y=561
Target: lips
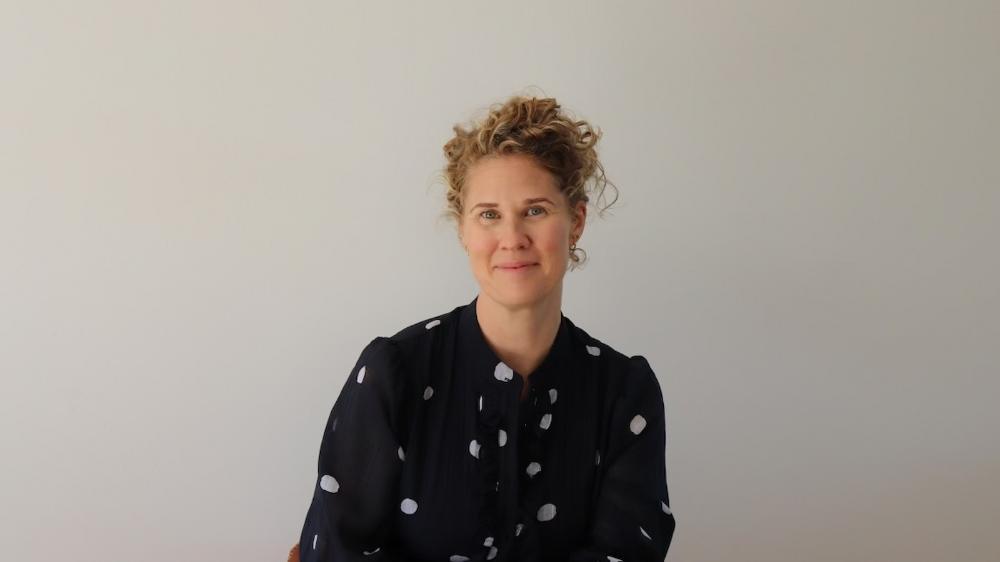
x=514 y=266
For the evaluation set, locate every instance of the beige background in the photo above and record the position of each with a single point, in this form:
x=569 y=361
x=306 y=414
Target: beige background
x=208 y=208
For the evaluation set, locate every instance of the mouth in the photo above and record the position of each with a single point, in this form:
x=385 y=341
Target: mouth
x=520 y=267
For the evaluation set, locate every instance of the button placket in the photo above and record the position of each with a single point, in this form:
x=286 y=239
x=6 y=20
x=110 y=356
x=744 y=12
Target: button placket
x=490 y=410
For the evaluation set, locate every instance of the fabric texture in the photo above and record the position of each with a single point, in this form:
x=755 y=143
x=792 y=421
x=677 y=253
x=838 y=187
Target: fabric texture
x=429 y=454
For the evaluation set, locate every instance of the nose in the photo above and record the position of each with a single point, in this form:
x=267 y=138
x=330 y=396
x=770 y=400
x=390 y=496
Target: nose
x=513 y=236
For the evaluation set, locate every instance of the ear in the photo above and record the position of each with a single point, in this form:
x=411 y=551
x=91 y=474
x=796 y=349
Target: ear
x=579 y=220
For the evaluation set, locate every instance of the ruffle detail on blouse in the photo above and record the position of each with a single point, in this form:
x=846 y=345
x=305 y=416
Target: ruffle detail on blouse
x=489 y=422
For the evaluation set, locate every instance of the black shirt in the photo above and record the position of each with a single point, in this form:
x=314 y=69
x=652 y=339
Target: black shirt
x=429 y=454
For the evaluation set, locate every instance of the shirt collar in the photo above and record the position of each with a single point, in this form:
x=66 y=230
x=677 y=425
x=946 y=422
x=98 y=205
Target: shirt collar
x=473 y=341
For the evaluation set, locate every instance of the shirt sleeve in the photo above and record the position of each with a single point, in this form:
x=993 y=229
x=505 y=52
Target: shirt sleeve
x=632 y=519
x=355 y=496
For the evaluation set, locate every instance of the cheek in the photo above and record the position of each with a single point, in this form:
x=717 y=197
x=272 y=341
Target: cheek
x=475 y=240
x=553 y=243
x=480 y=246
x=481 y=251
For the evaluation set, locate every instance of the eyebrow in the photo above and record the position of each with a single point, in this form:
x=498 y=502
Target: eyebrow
x=526 y=202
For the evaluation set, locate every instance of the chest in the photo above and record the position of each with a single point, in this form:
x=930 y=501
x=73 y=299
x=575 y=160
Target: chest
x=493 y=471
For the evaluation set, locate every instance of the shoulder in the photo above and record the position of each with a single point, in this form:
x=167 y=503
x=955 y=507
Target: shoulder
x=413 y=340
x=595 y=347
x=380 y=356
x=425 y=328
x=632 y=374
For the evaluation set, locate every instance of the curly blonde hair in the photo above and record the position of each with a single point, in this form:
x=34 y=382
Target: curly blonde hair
x=539 y=128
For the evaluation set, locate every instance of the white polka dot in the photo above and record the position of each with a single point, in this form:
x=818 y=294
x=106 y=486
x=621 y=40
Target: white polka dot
x=498 y=486
x=333 y=426
x=613 y=559
x=597 y=458
x=644 y=533
x=593 y=350
x=547 y=512
x=503 y=373
x=553 y=394
x=488 y=541
x=402 y=455
x=408 y=506
x=428 y=392
x=637 y=424
x=329 y=483
x=480 y=403
x=502 y=438
x=474 y=448
x=361 y=377
x=518 y=528
x=370 y=552
x=546 y=421
x=666 y=508
x=533 y=468
x=492 y=554
x=432 y=323
x=315 y=538
x=458 y=558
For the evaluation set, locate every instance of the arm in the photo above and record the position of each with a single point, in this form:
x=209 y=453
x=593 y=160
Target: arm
x=355 y=499
x=632 y=520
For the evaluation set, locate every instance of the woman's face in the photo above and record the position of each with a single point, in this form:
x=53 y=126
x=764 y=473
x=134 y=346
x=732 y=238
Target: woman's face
x=513 y=213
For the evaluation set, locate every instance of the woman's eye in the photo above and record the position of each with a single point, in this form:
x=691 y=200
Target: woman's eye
x=485 y=214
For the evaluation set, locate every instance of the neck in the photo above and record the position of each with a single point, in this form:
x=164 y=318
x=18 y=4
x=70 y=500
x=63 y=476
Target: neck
x=520 y=336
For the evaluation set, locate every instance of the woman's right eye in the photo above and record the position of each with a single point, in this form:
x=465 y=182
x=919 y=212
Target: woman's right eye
x=484 y=212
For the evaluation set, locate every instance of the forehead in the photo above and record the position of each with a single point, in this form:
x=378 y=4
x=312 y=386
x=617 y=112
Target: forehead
x=508 y=177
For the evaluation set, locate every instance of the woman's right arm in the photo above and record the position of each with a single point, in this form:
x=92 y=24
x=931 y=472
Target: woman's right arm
x=355 y=496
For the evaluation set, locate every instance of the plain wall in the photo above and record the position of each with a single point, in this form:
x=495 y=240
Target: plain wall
x=208 y=208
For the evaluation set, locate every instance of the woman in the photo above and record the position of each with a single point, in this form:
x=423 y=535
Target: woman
x=499 y=430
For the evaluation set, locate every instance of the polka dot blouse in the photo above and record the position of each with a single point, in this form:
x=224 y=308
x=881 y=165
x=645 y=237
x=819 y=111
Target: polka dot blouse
x=430 y=454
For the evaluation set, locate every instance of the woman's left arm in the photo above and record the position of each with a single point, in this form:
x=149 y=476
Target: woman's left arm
x=632 y=520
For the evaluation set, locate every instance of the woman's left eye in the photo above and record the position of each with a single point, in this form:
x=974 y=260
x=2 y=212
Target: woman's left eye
x=539 y=208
